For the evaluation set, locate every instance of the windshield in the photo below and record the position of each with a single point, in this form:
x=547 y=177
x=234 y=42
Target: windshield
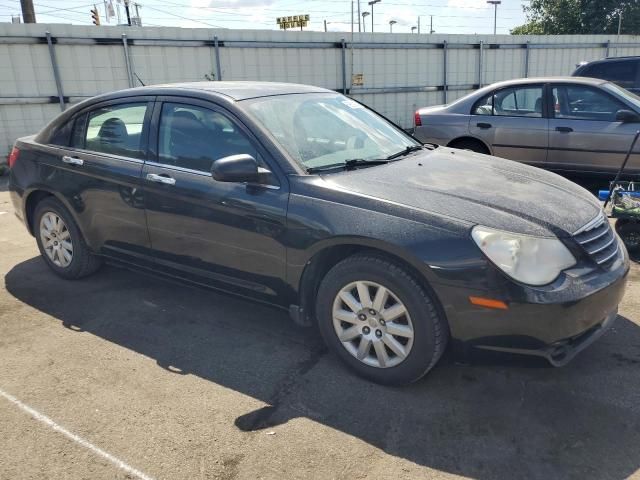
x=328 y=129
x=630 y=96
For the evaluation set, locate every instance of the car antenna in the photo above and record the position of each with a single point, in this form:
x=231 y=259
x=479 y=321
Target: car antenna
x=141 y=82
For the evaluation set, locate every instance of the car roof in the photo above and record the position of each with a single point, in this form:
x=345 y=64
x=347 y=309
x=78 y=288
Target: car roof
x=236 y=90
x=578 y=80
x=628 y=58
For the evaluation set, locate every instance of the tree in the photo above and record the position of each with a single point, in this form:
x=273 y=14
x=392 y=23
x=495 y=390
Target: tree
x=567 y=17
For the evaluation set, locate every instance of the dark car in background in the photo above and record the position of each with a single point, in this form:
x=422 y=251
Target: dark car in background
x=302 y=198
x=571 y=125
x=623 y=71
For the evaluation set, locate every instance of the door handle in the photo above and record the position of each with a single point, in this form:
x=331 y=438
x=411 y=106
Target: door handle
x=564 y=129
x=166 y=180
x=483 y=125
x=72 y=160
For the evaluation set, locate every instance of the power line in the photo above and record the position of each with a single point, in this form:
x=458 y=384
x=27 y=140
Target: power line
x=184 y=18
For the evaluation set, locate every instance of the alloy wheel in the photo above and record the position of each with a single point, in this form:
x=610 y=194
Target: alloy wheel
x=373 y=324
x=56 y=239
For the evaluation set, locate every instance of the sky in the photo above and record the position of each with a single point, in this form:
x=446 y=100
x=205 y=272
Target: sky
x=449 y=16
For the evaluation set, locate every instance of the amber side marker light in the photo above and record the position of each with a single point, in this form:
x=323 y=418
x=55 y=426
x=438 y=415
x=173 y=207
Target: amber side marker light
x=488 y=303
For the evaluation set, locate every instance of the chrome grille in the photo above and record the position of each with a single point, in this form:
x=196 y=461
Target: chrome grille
x=598 y=240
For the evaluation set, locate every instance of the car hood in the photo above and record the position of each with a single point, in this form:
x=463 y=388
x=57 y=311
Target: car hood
x=477 y=189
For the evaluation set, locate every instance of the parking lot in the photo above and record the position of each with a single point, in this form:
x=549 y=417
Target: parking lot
x=123 y=375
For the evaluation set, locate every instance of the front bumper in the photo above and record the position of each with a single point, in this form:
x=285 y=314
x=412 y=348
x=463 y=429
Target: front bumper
x=555 y=325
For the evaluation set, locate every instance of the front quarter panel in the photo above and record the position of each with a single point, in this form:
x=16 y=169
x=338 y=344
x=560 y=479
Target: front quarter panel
x=320 y=216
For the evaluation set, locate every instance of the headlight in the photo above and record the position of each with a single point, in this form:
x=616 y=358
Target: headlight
x=530 y=260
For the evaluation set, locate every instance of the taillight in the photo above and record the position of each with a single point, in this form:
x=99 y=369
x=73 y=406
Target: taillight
x=417 y=120
x=13 y=156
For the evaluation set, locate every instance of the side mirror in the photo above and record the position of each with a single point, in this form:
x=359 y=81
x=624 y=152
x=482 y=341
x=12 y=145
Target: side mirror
x=242 y=168
x=627 y=116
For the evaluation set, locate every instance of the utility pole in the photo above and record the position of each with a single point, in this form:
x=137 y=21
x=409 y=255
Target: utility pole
x=28 y=13
x=495 y=4
x=325 y=26
x=352 y=22
x=431 y=27
x=620 y=22
x=359 y=30
x=126 y=9
x=372 y=3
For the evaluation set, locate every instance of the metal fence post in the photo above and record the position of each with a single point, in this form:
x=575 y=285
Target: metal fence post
x=606 y=49
x=526 y=60
x=216 y=47
x=127 y=60
x=444 y=51
x=344 y=67
x=56 y=72
x=481 y=64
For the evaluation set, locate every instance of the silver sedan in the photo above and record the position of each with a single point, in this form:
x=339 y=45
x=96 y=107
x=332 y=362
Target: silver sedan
x=570 y=124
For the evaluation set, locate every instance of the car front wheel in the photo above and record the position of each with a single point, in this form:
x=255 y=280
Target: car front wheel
x=378 y=318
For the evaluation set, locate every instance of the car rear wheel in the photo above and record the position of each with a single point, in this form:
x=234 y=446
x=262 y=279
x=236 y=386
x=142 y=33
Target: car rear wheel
x=379 y=320
x=60 y=242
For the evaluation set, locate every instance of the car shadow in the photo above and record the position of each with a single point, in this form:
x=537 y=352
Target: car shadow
x=492 y=419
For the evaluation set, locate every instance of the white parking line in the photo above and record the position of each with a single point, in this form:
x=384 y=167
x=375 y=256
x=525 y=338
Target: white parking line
x=79 y=440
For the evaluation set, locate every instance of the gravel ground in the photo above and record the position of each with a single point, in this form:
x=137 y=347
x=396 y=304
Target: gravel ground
x=178 y=382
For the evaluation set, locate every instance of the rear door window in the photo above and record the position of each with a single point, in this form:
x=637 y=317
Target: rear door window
x=116 y=129
x=525 y=101
x=518 y=102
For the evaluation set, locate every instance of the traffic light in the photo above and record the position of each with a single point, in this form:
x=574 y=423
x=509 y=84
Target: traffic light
x=95 y=15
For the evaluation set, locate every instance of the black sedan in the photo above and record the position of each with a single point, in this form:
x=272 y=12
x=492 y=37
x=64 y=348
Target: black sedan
x=303 y=198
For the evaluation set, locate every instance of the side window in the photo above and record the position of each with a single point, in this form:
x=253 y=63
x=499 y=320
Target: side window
x=193 y=137
x=622 y=72
x=116 y=129
x=518 y=102
x=77 y=136
x=61 y=135
x=484 y=106
x=579 y=102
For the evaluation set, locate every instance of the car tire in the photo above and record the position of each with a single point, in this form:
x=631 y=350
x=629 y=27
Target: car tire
x=60 y=241
x=630 y=234
x=384 y=347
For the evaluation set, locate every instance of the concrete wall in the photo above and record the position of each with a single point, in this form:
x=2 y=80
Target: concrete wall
x=29 y=96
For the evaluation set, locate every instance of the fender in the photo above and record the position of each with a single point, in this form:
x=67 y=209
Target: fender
x=312 y=265
x=61 y=198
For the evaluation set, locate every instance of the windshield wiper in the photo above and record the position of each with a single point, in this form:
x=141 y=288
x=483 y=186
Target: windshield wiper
x=349 y=164
x=406 y=151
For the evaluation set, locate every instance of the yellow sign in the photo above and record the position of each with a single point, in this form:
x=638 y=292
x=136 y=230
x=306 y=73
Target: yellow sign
x=293 y=21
